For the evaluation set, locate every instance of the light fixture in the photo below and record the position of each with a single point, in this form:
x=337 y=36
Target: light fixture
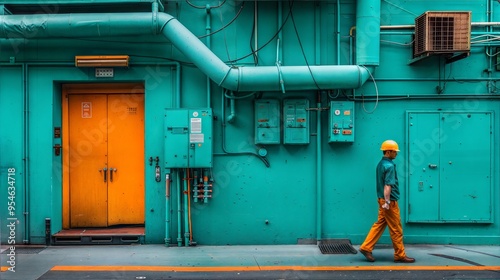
x=101 y=60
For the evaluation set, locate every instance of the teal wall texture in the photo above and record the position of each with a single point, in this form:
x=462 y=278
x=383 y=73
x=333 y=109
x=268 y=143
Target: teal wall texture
x=296 y=193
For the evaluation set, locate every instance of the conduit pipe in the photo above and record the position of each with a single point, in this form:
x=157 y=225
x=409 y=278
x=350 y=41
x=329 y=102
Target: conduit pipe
x=208 y=30
x=260 y=78
x=167 y=208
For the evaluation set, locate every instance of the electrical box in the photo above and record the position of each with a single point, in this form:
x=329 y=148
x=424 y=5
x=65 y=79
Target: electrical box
x=188 y=138
x=341 y=122
x=296 y=121
x=267 y=121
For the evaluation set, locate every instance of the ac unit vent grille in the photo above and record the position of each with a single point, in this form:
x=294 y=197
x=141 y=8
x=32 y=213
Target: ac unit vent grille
x=442 y=32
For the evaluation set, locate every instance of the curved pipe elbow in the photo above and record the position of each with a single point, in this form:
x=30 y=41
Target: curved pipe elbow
x=261 y=78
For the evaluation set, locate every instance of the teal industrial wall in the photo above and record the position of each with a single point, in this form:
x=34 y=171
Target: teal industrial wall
x=305 y=193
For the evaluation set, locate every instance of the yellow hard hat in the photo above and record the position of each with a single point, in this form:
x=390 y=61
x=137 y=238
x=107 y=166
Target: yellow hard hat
x=389 y=145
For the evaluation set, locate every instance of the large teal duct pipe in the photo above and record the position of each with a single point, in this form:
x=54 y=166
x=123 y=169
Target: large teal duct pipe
x=260 y=78
x=368 y=33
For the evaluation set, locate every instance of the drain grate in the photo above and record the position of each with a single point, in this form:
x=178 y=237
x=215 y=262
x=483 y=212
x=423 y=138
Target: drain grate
x=26 y=250
x=336 y=246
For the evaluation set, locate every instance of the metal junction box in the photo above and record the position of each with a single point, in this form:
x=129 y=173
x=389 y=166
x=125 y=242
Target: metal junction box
x=341 y=121
x=296 y=121
x=188 y=138
x=267 y=121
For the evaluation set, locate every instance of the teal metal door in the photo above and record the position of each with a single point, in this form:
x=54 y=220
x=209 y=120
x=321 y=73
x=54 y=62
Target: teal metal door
x=450 y=159
x=424 y=142
x=466 y=162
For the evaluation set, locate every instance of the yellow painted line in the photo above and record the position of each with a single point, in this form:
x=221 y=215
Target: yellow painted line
x=267 y=268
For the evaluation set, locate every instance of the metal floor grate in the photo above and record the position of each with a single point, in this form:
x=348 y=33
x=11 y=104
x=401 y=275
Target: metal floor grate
x=336 y=246
x=26 y=250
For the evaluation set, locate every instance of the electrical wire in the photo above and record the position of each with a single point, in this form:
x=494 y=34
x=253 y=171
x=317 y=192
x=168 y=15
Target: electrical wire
x=269 y=41
x=224 y=27
x=333 y=97
x=239 y=97
x=397 y=43
x=376 y=91
x=302 y=49
x=227 y=24
x=183 y=63
x=204 y=7
x=254 y=52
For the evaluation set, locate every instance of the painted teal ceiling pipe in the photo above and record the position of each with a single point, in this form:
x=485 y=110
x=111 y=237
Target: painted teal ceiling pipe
x=260 y=78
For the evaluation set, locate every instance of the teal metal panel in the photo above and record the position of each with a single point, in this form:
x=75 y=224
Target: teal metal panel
x=423 y=162
x=200 y=138
x=176 y=138
x=41 y=100
x=267 y=121
x=296 y=121
x=341 y=121
x=12 y=173
x=450 y=165
x=160 y=94
x=466 y=166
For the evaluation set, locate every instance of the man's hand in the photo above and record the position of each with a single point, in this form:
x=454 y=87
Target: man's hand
x=386 y=206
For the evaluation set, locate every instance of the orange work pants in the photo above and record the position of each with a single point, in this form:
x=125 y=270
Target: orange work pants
x=390 y=218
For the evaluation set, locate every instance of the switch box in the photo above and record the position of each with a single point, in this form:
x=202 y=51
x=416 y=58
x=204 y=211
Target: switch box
x=267 y=121
x=188 y=138
x=296 y=121
x=341 y=122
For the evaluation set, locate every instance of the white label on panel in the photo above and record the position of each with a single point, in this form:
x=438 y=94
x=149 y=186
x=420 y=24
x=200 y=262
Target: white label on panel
x=196 y=138
x=195 y=125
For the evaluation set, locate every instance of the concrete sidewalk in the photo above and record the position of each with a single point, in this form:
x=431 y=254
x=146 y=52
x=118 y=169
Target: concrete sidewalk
x=231 y=262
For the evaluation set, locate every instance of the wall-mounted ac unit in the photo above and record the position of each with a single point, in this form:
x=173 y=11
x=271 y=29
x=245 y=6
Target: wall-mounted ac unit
x=442 y=33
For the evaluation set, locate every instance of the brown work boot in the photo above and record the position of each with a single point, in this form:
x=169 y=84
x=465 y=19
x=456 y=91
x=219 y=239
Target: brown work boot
x=368 y=255
x=405 y=260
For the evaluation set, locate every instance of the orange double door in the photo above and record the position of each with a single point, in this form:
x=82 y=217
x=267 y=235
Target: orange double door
x=103 y=155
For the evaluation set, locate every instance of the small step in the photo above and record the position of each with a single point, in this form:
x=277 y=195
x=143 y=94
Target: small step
x=97 y=240
x=100 y=236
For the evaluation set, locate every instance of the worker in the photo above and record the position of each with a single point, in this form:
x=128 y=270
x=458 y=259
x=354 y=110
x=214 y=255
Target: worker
x=388 y=210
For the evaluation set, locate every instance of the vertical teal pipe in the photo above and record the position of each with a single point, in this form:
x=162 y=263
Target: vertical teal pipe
x=317 y=16
x=489 y=16
x=26 y=162
x=280 y=33
x=319 y=175
x=338 y=32
x=232 y=115
x=167 y=207
x=368 y=32
x=179 y=209
x=186 y=218
x=209 y=46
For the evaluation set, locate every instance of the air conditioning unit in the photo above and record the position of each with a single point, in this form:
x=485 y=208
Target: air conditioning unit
x=442 y=33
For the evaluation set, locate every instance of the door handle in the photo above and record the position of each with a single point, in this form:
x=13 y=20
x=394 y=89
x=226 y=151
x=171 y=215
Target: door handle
x=105 y=173
x=57 y=149
x=111 y=170
x=432 y=166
